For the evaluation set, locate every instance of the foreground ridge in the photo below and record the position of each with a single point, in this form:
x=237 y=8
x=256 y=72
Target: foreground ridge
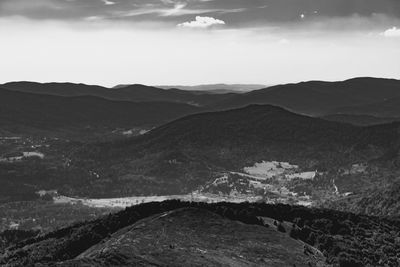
x=174 y=233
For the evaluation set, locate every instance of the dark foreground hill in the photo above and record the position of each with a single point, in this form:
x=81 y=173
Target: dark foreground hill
x=195 y=237
x=318 y=97
x=46 y=112
x=176 y=233
x=184 y=154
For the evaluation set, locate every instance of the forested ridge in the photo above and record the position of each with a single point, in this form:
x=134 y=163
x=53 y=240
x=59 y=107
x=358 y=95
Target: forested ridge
x=344 y=238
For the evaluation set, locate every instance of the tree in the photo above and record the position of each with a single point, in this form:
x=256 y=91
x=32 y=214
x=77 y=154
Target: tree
x=281 y=228
x=294 y=233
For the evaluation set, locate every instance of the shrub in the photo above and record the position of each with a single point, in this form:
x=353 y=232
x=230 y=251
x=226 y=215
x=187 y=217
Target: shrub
x=294 y=233
x=281 y=228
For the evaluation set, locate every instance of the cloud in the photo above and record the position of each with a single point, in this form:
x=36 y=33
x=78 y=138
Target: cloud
x=107 y=2
x=392 y=32
x=176 y=10
x=230 y=55
x=202 y=22
x=239 y=13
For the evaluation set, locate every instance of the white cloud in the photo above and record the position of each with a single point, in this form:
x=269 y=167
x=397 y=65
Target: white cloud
x=392 y=32
x=107 y=2
x=178 y=10
x=202 y=22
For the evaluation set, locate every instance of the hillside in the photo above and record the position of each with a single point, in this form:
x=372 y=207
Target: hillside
x=379 y=201
x=255 y=124
x=387 y=108
x=177 y=233
x=317 y=97
x=46 y=112
x=163 y=240
x=60 y=89
x=133 y=93
x=256 y=153
x=360 y=120
x=39 y=132
x=185 y=154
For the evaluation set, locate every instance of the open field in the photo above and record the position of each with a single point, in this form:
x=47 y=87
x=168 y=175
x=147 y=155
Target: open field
x=131 y=201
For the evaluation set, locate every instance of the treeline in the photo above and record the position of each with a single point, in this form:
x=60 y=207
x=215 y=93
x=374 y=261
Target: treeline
x=9 y=237
x=345 y=239
x=20 y=180
x=381 y=200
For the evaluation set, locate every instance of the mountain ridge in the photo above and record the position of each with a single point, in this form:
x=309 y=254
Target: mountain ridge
x=133 y=93
x=182 y=233
x=317 y=97
x=192 y=150
x=50 y=111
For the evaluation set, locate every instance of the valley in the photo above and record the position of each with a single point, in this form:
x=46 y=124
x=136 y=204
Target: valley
x=192 y=133
x=70 y=159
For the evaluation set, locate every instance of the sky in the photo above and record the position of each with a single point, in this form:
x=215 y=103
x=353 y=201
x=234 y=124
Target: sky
x=188 y=42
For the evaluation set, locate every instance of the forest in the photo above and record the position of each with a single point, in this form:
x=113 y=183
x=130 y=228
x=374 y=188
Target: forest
x=345 y=239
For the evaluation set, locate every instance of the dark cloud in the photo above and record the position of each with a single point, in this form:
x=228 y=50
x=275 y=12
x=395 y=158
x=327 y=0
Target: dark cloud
x=236 y=13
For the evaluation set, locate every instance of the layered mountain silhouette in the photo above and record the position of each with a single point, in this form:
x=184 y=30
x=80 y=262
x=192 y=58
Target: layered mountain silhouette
x=50 y=112
x=200 y=137
x=317 y=97
x=134 y=93
x=218 y=88
x=184 y=154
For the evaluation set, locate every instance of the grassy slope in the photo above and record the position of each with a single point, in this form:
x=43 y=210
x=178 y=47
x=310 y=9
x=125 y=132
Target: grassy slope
x=198 y=238
x=122 y=238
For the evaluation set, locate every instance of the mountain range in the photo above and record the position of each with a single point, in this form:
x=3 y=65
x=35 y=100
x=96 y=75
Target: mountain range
x=191 y=151
x=358 y=96
x=184 y=153
x=319 y=98
x=217 y=88
x=329 y=145
x=20 y=110
x=133 y=93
